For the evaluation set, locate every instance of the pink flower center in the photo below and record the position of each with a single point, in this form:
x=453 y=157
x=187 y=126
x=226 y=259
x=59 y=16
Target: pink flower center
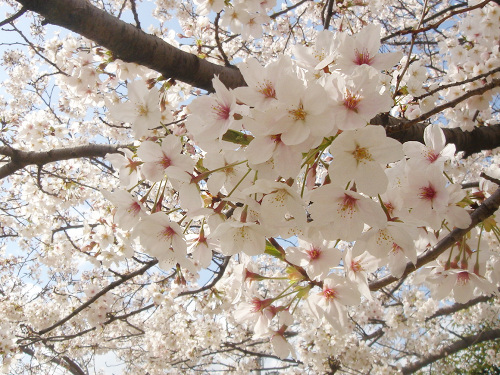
x=351 y=101
x=463 y=278
x=348 y=202
x=260 y=304
x=268 y=90
x=330 y=293
x=222 y=111
x=396 y=248
x=132 y=165
x=134 y=208
x=432 y=156
x=362 y=57
x=313 y=253
x=356 y=266
x=168 y=232
x=428 y=193
x=166 y=161
x=276 y=138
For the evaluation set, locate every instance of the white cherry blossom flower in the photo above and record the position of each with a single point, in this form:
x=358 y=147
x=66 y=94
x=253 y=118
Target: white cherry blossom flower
x=332 y=301
x=142 y=110
x=357 y=269
x=236 y=236
x=316 y=256
x=359 y=155
x=281 y=207
x=356 y=99
x=392 y=243
x=165 y=159
x=164 y=239
x=427 y=197
x=342 y=213
x=435 y=151
x=212 y=115
x=363 y=49
x=128 y=209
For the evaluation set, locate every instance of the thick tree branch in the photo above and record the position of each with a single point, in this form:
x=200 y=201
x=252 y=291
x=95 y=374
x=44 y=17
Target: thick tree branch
x=456 y=346
x=481 y=138
x=20 y=159
x=131 y=44
x=484 y=211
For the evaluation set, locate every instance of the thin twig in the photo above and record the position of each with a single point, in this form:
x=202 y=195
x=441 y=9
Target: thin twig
x=18 y=14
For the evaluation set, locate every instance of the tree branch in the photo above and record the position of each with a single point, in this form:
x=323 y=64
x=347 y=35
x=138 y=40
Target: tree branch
x=220 y=273
x=20 y=159
x=484 y=211
x=451 y=104
x=111 y=286
x=480 y=138
x=16 y=15
x=65 y=362
x=131 y=44
x=456 y=346
x=448 y=310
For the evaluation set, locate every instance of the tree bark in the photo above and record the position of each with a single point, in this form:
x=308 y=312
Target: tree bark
x=477 y=140
x=130 y=44
x=20 y=159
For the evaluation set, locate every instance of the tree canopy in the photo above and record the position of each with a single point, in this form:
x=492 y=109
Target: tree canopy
x=293 y=186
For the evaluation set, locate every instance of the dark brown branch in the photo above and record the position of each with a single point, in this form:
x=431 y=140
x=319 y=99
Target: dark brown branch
x=448 y=310
x=217 y=40
x=20 y=159
x=286 y=10
x=130 y=44
x=453 y=103
x=111 y=286
x=484 y=211
x=65 y=362
x=220 y=273
x=481 y=138
x=453 y=348
x=454 y=84
x=16 y=15
x=134 y=12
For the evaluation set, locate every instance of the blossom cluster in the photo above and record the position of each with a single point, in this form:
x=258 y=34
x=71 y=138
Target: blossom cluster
x=292 y=155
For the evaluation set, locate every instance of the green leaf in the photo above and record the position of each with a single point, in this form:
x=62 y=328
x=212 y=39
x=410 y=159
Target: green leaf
x=271 y=250
x=235 y=136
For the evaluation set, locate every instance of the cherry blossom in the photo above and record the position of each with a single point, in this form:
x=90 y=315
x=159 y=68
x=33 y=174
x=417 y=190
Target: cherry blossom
x=165 y=159
x=143 y=110
x=316 y=256
x=332 y=301
x=344 y=212
x=215 y=187
x=358 y=156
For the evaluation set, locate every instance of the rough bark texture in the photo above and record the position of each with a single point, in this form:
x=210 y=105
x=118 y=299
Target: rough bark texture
x=20 y=159
x=130 y=44
x=481 y=138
